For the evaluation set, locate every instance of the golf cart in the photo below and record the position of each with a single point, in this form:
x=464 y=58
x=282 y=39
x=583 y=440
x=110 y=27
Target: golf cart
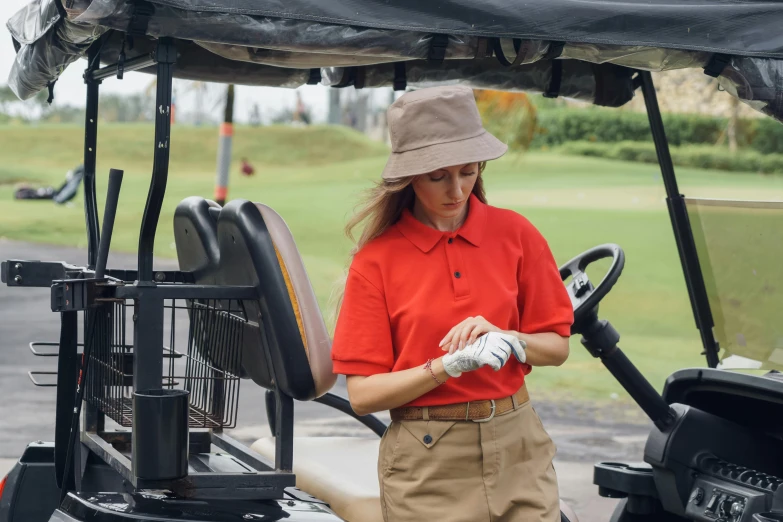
x=145 y=400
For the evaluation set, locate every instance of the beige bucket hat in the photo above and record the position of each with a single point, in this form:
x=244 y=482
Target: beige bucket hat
x=434 y=128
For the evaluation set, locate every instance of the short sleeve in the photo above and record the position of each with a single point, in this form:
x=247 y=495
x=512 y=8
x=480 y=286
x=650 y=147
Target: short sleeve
x=544 y=303
x=362 y=343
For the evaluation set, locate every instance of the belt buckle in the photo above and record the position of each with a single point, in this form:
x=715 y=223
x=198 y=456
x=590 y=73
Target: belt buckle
x=491 y=415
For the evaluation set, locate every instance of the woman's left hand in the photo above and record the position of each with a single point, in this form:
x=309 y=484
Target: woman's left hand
x=466 y=332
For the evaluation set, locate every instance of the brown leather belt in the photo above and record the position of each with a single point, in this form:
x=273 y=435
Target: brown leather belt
x=476 y=411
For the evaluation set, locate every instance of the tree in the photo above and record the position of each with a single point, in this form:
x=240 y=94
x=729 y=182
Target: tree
x=511 y=116
x=7 y=97
x=31 y=109
x=255 y=116
x=125 y=108
x=731 y=130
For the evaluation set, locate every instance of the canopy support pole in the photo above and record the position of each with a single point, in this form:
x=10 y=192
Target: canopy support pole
x=90 y=146
x=683 y=234
x=165 y=56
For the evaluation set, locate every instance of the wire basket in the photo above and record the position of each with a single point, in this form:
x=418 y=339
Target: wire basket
x=209 y=369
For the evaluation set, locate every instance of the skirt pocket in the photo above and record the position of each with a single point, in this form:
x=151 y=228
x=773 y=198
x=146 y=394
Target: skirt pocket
x=388 y=448
x=426 y=435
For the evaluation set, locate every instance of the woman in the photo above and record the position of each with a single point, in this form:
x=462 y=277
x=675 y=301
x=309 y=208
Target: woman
x=447 y=305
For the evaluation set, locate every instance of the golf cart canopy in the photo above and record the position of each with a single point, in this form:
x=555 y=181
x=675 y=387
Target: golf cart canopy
x=587 y=50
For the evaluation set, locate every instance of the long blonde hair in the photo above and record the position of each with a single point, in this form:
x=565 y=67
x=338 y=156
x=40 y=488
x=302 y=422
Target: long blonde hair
x=380 y=208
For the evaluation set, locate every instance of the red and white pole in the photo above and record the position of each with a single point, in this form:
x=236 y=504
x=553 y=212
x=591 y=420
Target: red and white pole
x=224 y=149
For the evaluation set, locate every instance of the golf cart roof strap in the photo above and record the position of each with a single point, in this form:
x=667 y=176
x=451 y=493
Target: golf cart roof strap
x=438 y=46
x=736 y=241
x=400 y=77
x=140 y=19
x=716 y=65
x=526 y=51
x=556 y=78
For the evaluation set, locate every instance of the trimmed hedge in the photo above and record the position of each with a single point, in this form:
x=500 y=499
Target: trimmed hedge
x=768 y=136
x=699 y=156
x=559 y=126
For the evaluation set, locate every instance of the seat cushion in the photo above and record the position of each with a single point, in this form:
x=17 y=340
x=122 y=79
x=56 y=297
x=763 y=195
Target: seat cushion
x=343 y=472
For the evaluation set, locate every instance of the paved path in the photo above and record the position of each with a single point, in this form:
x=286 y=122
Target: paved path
x=583 y=435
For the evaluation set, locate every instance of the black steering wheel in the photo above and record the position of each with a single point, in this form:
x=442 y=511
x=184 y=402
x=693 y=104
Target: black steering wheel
x=584 y=296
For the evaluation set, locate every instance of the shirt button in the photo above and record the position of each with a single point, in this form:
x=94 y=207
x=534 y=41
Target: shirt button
x=427 y=439
x=457 y=275
x=451 y=240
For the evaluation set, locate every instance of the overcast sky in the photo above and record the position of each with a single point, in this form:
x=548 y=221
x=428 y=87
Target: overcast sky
x=70 y=88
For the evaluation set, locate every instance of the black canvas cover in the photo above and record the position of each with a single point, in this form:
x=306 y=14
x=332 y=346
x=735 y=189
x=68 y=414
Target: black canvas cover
x=726 y=26
x=538 y=45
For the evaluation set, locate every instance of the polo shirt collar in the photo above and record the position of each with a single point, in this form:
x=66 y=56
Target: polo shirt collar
x=426 y=237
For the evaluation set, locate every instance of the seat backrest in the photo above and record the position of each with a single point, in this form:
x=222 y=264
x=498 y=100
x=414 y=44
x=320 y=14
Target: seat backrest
x=252 y=245
x=195 y=236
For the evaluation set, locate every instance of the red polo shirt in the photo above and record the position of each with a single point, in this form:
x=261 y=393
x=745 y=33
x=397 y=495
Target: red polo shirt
x=410 y=286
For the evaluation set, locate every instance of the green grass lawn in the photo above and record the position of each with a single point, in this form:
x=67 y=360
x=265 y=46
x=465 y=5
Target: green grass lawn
x=314 y=176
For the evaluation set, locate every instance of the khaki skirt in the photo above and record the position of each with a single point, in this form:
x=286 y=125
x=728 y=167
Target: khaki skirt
x=455 y=471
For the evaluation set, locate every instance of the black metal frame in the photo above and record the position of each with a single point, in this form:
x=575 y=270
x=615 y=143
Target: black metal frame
x=19 y=272
x=90 y=154
x=259 y=478
x=165 y=57
x=340 y=404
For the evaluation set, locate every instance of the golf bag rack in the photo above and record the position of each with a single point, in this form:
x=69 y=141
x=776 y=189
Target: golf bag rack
x=208 y=370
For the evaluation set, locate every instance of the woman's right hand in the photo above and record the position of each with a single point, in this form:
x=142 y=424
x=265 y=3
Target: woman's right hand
x=466 y=332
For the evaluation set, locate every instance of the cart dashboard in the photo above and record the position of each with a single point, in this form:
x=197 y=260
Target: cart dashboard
x=724 y=454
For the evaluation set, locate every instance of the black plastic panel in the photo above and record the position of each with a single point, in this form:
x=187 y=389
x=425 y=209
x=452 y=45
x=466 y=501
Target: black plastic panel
x=195 y=235
x=31 y=493
x=695 y=443
x=627 y=479
x=753 y=401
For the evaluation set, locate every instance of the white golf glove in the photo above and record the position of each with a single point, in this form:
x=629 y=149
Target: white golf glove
x=493 y=349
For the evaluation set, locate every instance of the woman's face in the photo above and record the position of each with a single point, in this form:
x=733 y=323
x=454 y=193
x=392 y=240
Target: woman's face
x=445 y=192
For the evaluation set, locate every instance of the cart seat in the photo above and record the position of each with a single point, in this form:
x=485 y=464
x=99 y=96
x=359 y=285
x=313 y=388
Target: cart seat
x=195 y=236
x=342 y=471
x=249 y=244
